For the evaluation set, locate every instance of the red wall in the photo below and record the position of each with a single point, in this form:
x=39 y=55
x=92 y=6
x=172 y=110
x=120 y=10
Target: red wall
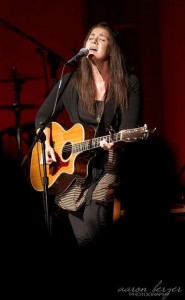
x=161 y=27
x=172 y=23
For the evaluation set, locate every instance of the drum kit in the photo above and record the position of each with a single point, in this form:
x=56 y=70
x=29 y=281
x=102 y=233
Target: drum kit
x=18 y=80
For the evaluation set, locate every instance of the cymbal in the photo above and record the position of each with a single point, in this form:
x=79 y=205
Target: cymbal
x=16 y=106
x=26 y=127
x=19 y=78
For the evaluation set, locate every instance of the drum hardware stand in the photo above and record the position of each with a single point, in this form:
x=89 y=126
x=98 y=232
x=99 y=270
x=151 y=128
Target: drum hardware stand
x=16 y=106
x=18 y=80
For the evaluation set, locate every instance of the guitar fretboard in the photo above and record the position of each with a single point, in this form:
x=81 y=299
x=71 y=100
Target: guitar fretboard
x=129 y=135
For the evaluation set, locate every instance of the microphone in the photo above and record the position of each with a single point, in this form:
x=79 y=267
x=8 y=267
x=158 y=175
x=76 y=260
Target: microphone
x=80 y=54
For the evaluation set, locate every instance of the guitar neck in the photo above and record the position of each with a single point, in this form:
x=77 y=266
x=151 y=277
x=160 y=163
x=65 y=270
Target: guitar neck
x=128 y=135
x=95 y=142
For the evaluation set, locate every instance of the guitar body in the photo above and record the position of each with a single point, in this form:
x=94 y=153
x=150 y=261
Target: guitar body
x=69 y=165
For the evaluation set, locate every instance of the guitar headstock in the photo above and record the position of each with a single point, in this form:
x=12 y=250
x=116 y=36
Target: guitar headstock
x=136 y=134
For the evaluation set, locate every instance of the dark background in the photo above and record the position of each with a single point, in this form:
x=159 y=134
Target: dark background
x=37 y=37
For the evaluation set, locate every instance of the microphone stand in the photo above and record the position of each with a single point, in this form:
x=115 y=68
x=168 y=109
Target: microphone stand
x=41 y=53
x=40 y=137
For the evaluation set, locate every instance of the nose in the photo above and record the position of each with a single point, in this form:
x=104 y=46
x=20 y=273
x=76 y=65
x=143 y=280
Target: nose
x=95 y=39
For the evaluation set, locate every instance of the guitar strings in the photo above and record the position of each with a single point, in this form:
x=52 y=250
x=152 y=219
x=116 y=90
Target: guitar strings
x=137 y=132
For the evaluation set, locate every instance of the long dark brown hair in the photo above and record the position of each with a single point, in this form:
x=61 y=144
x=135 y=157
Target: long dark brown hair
x=118 y=85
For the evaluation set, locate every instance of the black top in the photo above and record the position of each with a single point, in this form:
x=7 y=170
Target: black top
x=68 y=98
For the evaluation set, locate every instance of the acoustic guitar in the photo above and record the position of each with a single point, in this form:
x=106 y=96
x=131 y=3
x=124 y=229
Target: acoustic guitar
x=74 y=149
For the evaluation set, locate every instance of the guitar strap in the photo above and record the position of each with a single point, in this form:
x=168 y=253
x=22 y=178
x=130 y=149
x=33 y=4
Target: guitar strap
x=105 y=110
x=96 y=172
x=99 y=118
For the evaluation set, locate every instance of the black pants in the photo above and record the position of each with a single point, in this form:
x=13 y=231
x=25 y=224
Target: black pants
x=92 y=222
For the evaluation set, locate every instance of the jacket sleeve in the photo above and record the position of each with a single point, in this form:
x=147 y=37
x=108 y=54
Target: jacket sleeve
x=130 y=116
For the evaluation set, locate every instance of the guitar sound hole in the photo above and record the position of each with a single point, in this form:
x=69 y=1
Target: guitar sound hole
x=66 y=152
